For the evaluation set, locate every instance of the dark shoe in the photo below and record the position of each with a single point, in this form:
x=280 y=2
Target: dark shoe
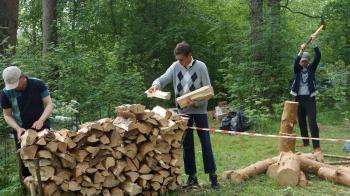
x=214 y=181
x=192 y=181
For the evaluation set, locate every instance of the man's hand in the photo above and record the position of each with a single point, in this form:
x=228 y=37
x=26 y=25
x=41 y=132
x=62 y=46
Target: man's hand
x=153 y=89
x=20 y=131
x=191 y=103
x=303 y=46
x=313 y=37
x=38 y=124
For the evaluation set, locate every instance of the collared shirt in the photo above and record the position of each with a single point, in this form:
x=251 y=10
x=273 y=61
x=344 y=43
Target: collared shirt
x=189 y=65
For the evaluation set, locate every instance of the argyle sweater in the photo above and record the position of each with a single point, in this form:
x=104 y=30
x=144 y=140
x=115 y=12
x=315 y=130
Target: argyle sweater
x=186 y=80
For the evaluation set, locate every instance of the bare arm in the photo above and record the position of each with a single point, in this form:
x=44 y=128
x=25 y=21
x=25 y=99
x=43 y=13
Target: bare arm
x=9 y=118
x=47 y=112
x=12 y=123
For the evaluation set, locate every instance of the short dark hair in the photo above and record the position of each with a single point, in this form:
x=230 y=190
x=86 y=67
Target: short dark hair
x=183 y=48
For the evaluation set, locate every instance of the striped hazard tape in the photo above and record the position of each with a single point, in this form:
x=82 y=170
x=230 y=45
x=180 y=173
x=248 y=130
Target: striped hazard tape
x=265 y=135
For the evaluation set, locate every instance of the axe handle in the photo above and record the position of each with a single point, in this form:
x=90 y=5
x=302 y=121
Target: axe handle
x=316 y=32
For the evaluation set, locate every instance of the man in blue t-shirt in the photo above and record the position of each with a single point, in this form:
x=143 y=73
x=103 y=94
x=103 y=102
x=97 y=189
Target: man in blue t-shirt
x=26 y=103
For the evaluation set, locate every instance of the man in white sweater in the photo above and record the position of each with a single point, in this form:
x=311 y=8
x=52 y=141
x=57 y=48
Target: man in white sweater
x=188 y=74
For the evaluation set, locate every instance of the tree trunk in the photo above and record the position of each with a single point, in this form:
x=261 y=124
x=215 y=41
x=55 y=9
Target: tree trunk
x=8 y=25
x=274 y=45
x=288 y=120
x=289 y=170
x=256 y=26
x=49 y=24
x=238 y=176
x=339 y=175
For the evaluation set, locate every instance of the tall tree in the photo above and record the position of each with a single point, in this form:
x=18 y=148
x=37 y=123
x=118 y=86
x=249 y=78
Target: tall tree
x=49 y=24
x=256 y=32
x=274 y=38
x=8 y=24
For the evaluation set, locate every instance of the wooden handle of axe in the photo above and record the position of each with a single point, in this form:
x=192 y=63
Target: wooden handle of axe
x=315 y=34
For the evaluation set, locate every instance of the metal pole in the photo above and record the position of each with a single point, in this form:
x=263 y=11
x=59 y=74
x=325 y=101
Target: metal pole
x=37 y=171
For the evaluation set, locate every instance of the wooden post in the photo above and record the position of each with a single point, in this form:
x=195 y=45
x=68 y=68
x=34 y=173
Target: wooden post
x=37 y=170
x=20 y=167
x=288 y=120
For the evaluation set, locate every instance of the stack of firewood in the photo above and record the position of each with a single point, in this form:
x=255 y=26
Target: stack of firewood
x=137 y=152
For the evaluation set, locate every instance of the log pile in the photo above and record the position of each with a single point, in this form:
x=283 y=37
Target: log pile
x=137 y=152
x=290 y=168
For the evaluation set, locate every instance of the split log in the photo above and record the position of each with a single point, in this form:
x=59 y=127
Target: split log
x=162 y=112
x=29 y=137
x=28 y=152
x=132 y=176
x=159 y=94
x=110 y=181
x=52 y=146
x=126 y=124
x=131 y=188
x=204 y=93
x=44 y=154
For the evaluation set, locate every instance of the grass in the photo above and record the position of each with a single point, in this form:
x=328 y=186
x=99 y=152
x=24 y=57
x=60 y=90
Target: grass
x=233 y=152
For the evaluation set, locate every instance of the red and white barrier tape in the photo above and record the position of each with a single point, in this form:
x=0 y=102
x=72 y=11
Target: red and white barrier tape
x=266 y=135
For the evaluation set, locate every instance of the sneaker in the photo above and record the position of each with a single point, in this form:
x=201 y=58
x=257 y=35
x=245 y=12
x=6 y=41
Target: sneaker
x=214 y=181
x=318 y=155
x=192 y=181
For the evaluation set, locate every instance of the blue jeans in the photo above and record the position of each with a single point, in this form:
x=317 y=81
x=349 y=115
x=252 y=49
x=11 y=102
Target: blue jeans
x=200 y=120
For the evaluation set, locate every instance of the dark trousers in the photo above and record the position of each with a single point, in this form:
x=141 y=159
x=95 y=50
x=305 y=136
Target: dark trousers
x=200 y=120
x=307 y=107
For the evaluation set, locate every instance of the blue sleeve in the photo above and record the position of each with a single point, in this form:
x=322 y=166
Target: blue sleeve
x=297 y=66
x=317 y=58
x=5 y=102
x=44 y=91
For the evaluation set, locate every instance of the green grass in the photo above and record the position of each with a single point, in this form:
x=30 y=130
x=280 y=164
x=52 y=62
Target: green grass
x=233 y=152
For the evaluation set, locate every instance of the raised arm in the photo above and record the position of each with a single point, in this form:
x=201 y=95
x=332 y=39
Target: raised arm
x=297 y=66
x=317 y=58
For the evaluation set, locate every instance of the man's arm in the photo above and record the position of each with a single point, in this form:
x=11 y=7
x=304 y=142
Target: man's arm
x=47 y=112
x=297 y=59
x=12 y=123
x=163 y=80
x=317 y=58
